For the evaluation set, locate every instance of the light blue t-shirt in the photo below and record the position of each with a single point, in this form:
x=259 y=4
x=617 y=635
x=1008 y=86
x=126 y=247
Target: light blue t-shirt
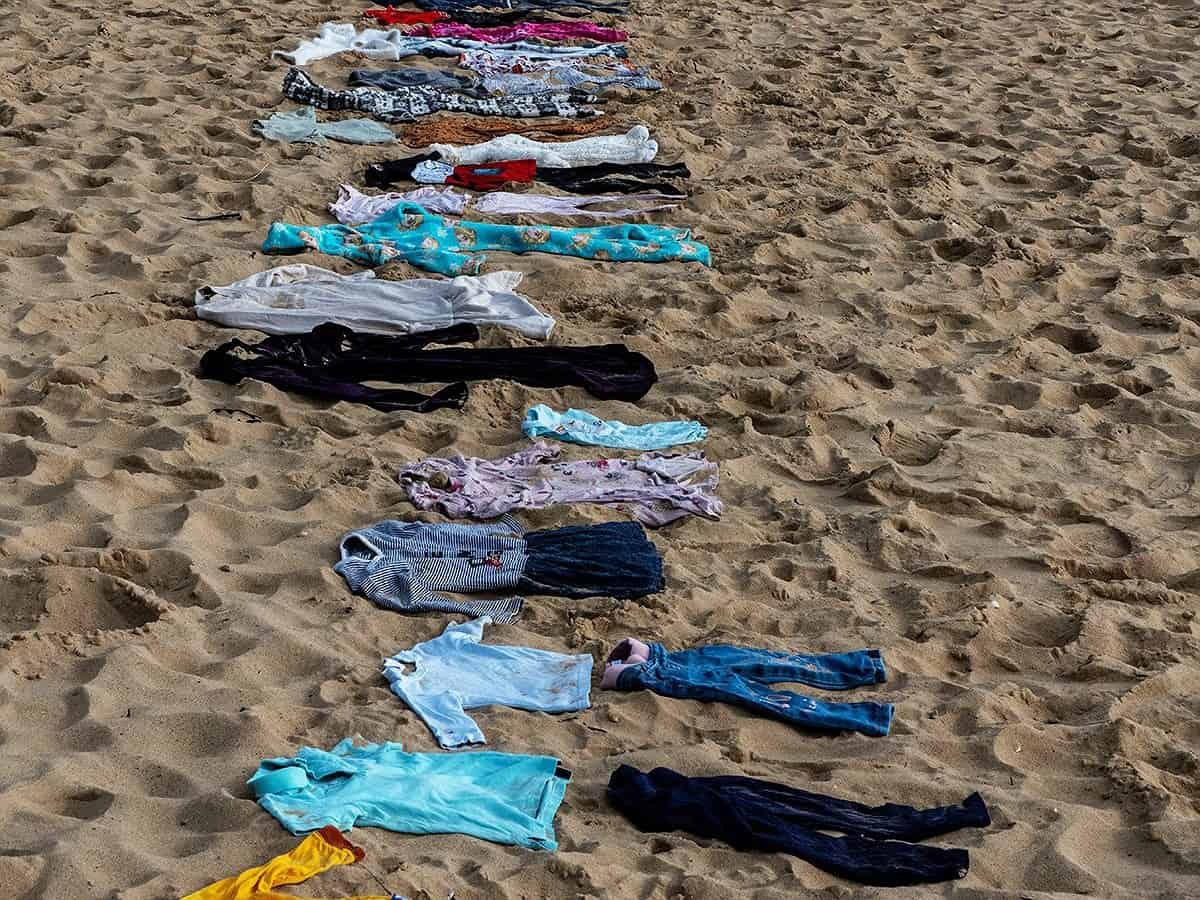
x=508 y=798
x=579 y=427
x=455 y=672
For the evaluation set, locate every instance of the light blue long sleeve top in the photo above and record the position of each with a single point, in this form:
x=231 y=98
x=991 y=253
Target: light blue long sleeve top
x=454 y=672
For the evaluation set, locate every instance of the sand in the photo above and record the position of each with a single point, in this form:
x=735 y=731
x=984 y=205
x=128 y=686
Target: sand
x=948 y=353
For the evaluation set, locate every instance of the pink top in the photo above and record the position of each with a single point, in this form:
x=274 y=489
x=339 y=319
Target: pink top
x=543 y=31
x=655 y=488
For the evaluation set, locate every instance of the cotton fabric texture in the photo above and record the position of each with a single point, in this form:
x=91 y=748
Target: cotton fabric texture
x=744 y=676
x=295 y=299
x=411 y=234
x=455 y=672
x=655 y=488
x=751 y=814
x=319 y=852
x=301 y=126
x=635 y=146
x=506 y=798
x=577 y=426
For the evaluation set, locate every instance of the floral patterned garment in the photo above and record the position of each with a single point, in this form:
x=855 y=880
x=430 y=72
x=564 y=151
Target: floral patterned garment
x=655 y=488
x=409 y=233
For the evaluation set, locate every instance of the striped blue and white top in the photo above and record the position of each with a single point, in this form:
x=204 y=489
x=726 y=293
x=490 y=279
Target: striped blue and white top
x=403 y=566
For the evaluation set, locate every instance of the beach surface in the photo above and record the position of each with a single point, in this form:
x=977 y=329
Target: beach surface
x=948 y=353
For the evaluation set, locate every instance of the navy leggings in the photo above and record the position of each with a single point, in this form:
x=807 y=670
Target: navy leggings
x=750 y=814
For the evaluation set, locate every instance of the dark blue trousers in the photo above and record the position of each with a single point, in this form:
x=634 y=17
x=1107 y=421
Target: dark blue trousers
x=750 y=814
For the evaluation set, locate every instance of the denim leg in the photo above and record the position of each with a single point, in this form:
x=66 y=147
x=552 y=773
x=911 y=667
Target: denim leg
x=830 y=671
x=868 y=717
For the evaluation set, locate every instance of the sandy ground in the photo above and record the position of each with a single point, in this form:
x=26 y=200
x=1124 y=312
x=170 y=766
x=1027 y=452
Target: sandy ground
x=948 y=353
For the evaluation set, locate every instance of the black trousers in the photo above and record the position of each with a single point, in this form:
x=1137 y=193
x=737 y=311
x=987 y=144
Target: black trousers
x=751 y=814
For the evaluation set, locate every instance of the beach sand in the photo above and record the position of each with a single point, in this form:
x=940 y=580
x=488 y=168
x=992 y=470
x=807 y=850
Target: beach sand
x=948 y=353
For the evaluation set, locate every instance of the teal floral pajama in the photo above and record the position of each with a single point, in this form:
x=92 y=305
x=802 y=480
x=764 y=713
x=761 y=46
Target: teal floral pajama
x=409 y=233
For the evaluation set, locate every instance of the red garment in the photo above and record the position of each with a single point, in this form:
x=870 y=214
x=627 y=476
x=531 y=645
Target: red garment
x=490 y=176
x=405 y=16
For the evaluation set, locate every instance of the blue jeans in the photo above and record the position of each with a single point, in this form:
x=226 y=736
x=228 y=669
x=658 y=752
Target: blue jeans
x=751 y=814
x=743 y=676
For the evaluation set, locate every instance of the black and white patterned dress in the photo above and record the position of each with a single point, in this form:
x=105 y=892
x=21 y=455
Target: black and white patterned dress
x=410 y=103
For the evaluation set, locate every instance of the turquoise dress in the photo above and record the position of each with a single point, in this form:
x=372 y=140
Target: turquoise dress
x=409 y=233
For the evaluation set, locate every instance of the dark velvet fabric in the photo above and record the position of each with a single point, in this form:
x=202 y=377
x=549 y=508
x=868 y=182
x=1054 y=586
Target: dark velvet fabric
x=751 y=814
x=331 y=361
x=613 y=559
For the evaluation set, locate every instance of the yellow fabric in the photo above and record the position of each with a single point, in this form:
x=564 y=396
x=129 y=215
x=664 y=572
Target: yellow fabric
x=313 y=855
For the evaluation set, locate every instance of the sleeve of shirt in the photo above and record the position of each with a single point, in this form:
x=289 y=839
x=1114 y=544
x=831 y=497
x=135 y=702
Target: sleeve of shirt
x=444 y=715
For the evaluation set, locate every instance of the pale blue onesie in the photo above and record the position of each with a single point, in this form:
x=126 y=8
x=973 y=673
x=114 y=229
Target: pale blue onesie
x=455 y=672
x=579 y=427
x=508 y=798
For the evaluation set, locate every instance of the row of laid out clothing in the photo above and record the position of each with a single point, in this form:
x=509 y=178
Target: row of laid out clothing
x=513 y=798
x=440 y=679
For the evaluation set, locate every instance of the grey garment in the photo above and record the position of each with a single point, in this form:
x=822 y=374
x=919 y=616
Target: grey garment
x=398 y=79
x=301 y=125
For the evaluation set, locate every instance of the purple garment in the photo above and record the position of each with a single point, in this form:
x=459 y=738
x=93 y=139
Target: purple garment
x=656 y=488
